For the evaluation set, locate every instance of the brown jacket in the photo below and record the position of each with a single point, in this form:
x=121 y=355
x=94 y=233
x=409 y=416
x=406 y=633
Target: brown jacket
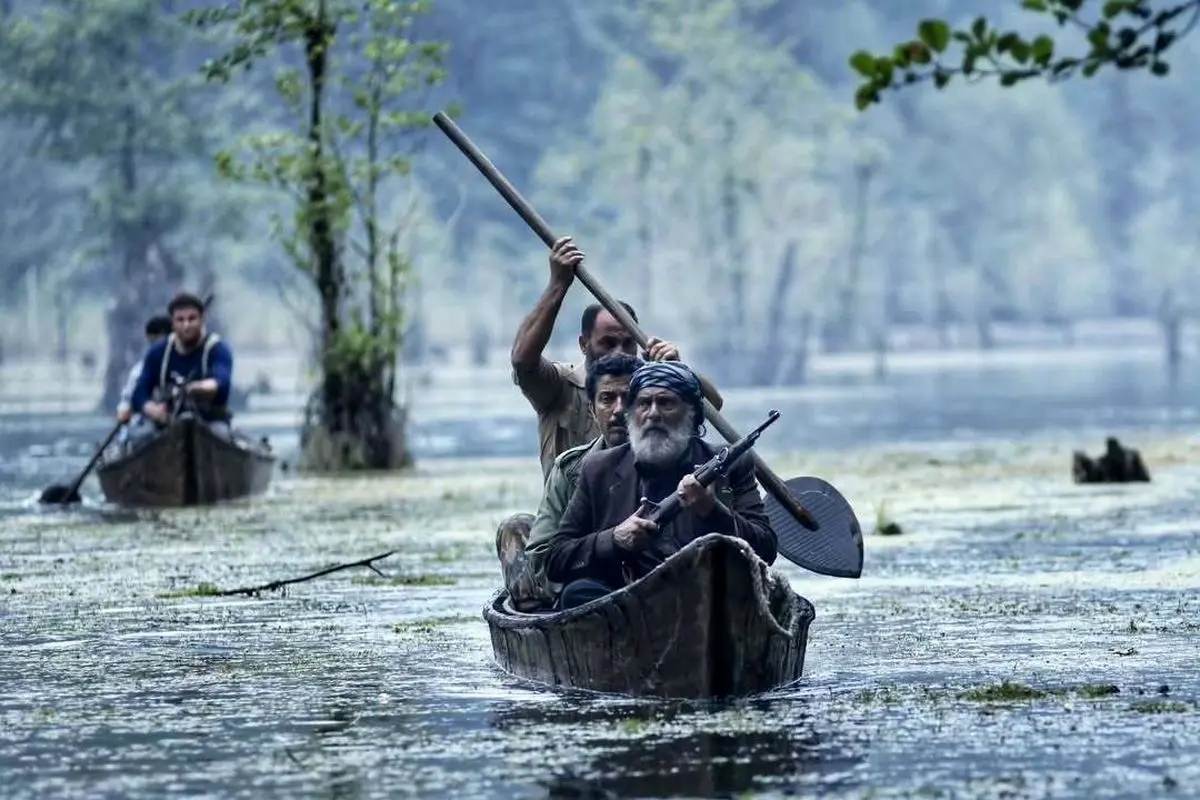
x=608 y=493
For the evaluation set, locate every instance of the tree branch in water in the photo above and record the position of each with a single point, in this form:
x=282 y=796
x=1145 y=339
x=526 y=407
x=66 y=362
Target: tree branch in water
x=255 y=591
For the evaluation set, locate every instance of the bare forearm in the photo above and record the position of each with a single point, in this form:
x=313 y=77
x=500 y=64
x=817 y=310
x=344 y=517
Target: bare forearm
x=208 y=386
x=534 y=332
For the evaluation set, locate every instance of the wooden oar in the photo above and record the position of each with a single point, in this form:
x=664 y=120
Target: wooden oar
x=63 y=495
x=839 y=550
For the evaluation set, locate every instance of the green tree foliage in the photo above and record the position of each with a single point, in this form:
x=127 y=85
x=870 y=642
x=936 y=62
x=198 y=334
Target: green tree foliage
x=355 y=104
x=102 y=88
x=1119 y=34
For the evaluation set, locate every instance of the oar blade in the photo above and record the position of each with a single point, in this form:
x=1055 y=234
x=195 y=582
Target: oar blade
x=59 y=495
x=837 y=548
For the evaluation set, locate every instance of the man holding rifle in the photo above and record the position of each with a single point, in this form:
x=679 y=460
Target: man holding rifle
x=567 y=415
x=606 y=539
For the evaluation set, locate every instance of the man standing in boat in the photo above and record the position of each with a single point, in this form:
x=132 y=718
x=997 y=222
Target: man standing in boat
x=557 y=390
x=196 y=359
x=605 y=539
x=158 y=328
x=524 y=577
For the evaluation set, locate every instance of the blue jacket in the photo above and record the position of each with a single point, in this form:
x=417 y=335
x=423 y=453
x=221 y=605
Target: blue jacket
x=213 y=359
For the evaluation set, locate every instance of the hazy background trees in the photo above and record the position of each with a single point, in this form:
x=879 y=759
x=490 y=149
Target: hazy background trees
x=706 y=153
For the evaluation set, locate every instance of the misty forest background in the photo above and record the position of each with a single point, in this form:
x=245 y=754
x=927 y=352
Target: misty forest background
x=706 y=154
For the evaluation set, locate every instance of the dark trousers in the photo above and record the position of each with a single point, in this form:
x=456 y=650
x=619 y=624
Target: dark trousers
x=579 y=592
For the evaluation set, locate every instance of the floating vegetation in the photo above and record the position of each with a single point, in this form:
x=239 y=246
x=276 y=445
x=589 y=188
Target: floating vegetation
x=202 y=589
x=404 y=580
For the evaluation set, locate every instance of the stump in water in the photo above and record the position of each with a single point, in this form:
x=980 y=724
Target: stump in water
x=352 y=423
x=1117 y=465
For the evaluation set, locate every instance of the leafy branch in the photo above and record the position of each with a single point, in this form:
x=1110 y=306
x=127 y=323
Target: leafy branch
x=1122 y=34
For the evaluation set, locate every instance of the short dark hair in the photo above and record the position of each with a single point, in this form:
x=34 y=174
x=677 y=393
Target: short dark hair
x=185 y=300
x=158 y=326
x=588 y=321
x=611 y=364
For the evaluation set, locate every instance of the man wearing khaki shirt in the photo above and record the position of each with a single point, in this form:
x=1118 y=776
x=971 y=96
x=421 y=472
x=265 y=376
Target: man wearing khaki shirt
x=557 y=390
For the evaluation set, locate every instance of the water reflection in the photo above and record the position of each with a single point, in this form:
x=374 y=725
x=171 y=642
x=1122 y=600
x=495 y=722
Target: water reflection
x=685 y=749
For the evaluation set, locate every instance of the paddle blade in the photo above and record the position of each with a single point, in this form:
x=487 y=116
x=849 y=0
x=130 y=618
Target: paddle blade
x=59 y=495
x=837 y=548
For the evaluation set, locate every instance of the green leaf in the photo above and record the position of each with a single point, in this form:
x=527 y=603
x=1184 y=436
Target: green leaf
x=1114 y=8
x=934 y=33
x=885 y=68
x=1043 y=49
x=1035 y=5
x=919 y=53
x=1098 y=36
x=1160 y=69
x=979 y=27
x=865 y=96
x=863 y=63
x=941 y=78
x=1021 y=51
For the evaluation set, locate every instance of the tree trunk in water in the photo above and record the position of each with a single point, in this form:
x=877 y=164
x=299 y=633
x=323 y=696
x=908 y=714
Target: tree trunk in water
x=772 y=358
x=351 y=421
x=840 y=332
x=363 y=429
x=136 y=298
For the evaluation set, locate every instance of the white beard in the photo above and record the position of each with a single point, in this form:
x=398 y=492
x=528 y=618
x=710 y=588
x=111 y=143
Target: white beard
x=656 y=445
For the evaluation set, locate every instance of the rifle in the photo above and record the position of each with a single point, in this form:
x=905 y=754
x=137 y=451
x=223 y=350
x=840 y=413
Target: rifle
x=716 y=467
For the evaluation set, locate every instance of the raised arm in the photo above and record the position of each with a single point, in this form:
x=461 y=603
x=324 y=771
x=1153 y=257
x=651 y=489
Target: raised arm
x=536 y=376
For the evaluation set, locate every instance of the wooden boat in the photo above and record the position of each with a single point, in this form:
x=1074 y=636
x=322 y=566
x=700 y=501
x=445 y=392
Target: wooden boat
x=712 y=621
x=187 y=465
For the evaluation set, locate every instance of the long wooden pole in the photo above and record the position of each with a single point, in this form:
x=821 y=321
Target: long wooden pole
x=770 y=481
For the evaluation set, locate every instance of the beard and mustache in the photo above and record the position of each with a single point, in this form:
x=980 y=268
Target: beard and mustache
x=657 y=444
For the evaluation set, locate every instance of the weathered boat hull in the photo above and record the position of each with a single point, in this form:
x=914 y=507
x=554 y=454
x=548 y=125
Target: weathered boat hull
x=712 y=621
x=187 y=465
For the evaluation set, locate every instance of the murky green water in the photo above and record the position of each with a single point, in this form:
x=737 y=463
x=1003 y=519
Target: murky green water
x=1023 y=637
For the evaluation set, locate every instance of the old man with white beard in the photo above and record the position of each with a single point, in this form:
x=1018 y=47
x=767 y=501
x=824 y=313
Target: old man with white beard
x=605 y=540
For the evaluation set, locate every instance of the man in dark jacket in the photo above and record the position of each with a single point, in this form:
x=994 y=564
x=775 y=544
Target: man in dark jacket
x=605 y=539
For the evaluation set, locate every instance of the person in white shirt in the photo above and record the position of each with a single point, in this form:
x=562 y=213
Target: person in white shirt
x=157 y=329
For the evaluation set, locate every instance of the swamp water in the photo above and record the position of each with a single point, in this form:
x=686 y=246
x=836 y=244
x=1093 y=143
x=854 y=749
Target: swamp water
x=1023 y=637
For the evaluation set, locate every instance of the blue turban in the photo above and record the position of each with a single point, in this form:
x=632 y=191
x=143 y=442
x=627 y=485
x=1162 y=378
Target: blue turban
x=670 y=375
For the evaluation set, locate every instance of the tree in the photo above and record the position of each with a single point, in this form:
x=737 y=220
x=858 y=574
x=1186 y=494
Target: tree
x=355 y=112
x=99 y=83
x=1119 y=34
x=717 y=198
x=1144 y=276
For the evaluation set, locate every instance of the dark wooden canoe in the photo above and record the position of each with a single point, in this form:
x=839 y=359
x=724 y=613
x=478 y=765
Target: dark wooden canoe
x=187 y=465
x=712 y=621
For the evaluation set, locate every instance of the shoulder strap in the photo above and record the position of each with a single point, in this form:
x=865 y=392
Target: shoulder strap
x=166 y=360
x=210 y=341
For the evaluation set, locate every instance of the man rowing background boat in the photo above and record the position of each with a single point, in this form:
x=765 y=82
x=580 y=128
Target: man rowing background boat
x=604 y=540
x=522 y=538
x=557 y=390
x=193 y=356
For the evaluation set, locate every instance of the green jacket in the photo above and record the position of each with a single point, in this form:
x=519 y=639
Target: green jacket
x=560 y=485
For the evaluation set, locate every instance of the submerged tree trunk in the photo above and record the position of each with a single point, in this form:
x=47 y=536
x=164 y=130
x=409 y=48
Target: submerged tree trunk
x=772 y=357
x=351 y=421
x=135 y=301
x=840 y=331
